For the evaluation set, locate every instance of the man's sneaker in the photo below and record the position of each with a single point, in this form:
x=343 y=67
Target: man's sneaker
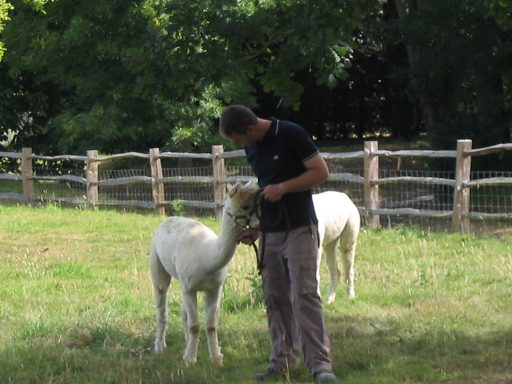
x=270 y=374
x=325 y=377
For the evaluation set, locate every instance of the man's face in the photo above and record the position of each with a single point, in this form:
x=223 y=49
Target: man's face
x=243 y=139
x=240 y=139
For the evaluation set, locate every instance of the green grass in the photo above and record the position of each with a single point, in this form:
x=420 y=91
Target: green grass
x=76 y=306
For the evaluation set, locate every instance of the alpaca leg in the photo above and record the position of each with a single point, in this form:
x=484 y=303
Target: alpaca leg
x=184 y=323
x=161 y=318
x=334 y=271
x=161 y=282
x=348 y=256
x=212 y=305
x=318 y=264
x=190 y=327
x=348 y=253
x=321 y=237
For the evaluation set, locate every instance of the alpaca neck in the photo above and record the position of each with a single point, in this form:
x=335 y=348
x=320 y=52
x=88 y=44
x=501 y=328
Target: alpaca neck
x=225 y=246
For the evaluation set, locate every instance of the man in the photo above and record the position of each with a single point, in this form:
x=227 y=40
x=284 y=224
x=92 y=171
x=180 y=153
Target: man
x=287 y=164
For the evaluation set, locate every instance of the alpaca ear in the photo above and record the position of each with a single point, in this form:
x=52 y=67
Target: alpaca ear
x=252 y=183
x=233 y=189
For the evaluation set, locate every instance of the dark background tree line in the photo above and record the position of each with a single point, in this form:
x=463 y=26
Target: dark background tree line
x=120 y=75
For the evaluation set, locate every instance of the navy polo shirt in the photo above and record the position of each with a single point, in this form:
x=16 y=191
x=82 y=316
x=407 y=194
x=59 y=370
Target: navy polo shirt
x=280 y=156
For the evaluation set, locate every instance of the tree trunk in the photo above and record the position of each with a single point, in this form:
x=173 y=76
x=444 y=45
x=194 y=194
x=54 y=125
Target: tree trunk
x=490 y=102
x=404 y=8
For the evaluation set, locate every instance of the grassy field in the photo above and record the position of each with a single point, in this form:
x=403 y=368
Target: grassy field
x=76 y=307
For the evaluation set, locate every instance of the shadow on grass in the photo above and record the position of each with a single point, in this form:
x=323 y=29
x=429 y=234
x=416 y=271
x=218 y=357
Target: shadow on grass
x=364 y=350
x=373 y=350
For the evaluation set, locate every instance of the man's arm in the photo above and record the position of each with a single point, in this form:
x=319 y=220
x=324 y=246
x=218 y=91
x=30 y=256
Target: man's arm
x=316 y=172
x=248 y=236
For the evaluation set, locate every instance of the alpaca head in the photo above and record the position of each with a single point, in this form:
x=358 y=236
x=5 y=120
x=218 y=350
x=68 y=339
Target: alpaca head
x=241 y=202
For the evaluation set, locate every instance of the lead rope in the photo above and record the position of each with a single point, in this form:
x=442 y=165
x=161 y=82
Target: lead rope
x=283 y=213
x=257 y=203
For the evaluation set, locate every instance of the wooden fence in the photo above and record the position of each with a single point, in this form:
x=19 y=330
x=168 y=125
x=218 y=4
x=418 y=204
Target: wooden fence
x=460 y=213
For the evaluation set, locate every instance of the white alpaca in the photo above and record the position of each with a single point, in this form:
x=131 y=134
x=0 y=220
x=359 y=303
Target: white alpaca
x=338 y=223
x=189 y=251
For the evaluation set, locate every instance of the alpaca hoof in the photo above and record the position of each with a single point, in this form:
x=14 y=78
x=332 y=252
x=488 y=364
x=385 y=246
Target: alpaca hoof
x=351 y=294
x=331 y=298
x=218 y=360
x=189 y=360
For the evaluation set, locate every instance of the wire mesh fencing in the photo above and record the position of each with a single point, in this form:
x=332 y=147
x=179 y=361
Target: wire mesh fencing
x=410 y=192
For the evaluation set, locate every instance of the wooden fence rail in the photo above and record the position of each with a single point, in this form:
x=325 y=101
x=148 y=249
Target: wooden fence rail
x=460 y=213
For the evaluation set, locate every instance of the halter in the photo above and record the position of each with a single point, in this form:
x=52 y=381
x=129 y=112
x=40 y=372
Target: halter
x=236 y=218
x=283 y=214
x=248 y=216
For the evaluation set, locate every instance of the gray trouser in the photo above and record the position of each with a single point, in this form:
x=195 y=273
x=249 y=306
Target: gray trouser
x=294 y=309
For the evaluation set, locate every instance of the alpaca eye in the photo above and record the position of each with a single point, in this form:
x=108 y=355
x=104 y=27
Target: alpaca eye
x=246 y=207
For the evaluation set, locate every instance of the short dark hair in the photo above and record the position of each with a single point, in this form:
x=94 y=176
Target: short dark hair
x=236 y=119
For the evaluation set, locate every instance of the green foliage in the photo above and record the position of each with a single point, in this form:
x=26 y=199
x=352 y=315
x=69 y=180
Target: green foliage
x=460 y=63
x=177 y=208
x=117 y=76
x=501 y=11
x=5 y=7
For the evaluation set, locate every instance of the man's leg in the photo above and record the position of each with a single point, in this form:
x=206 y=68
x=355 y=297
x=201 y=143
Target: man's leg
x=301 y=251
x=276 y=288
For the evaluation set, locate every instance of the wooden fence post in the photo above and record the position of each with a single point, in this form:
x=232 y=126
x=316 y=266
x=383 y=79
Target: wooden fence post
x=26 y=173
x=371 y=192
x=460 y=222
x=156 y=185
x=219 y=172
x=91 y=174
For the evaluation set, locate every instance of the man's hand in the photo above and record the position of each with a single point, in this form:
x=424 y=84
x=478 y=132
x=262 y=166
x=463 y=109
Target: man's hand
x=248 y=236
x=316 y=172
x=273 y=192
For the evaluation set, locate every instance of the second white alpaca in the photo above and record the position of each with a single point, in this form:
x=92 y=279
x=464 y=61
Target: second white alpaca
x=189 y=251
x=338 y=225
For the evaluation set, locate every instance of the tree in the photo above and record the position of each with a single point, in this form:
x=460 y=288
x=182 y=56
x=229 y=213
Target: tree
x=5 y=7
x=89 y=85
x=10 y=120
x=113 y=76
x=459 y=56
x=117 y=76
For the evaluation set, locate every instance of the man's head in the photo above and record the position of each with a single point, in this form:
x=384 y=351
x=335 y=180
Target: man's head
x=236 y=119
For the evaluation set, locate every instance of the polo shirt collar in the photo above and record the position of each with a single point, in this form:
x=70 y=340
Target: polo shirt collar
x=272 y=130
